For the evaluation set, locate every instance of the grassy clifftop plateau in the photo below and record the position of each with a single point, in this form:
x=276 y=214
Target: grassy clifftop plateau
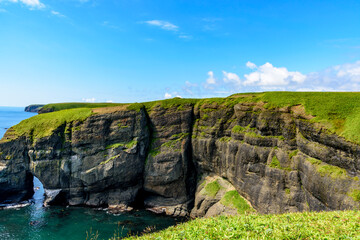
x=339 y=112
x=53 y=107
x=307 y=225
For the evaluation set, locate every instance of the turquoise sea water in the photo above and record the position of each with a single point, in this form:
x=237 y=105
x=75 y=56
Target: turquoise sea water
x=34 y=222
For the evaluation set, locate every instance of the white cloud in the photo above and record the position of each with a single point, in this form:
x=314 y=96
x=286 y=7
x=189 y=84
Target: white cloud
x=188 y=37
x=167 y=96
x=57 y=13
x=231 y=78
x=171 y=95
x=163 y=24
x=168 y=26
x=345 y=77
x=251 y=65
x=268 y=75
x=350 y=71
x=89 y=100
x=2 y=10
x=30 y=3
x=109 y=101
x=211 y=79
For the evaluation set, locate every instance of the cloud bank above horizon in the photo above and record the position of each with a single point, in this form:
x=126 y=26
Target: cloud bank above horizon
x=266 y=77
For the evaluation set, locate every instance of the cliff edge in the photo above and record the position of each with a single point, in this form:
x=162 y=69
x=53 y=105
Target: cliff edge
x=33 y=108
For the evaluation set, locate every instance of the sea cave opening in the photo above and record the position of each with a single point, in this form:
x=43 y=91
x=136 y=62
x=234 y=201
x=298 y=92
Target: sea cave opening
x=39 y=192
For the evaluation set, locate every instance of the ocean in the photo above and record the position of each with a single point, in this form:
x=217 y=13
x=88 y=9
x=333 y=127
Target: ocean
x=35 y=222
x=9 y=116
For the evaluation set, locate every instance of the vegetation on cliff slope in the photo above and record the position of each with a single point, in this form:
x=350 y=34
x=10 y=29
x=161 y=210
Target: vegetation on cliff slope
x=45 y=124
x=307 y=225
x=339 y=112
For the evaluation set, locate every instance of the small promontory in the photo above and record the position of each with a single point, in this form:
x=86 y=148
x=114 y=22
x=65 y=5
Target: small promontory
x=35 y=108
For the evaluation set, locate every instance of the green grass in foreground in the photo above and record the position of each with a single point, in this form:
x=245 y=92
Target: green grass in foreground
x=307 y=225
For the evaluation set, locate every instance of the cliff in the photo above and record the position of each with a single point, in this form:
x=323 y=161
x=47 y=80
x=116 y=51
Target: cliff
x=33 y=108
x=275 y=152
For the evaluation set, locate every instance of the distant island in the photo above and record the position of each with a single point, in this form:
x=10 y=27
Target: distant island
x=34 y=108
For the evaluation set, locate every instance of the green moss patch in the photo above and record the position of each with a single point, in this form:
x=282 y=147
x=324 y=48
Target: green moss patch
x=212 y=188
x=251 y=132
x=293 y=153
x=175 y=139
x=225 y=139
x=122 y=126
x=233 y=199
x=108 y=160
x=328 y=170
x=355 y=194
x=115 y=145
x=275 y=163
x=238 y=129
x=205 y=117
x=130 y=144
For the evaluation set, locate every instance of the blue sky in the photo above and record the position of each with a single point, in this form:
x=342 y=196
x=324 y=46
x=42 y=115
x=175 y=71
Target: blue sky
x=138 y=50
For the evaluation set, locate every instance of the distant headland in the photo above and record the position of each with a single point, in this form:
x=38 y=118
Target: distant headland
x=34 y=108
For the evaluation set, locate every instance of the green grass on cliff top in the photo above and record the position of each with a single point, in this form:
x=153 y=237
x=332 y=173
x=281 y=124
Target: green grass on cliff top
x=307 y=225
x=339 y=112
x=62 y=106
x=44 y=124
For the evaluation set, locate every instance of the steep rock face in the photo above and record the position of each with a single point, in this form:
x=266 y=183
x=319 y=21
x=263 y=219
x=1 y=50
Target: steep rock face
x=15 y=179
x=169 y=176
x=277 y=159
x=33 y=108
x=96 y=162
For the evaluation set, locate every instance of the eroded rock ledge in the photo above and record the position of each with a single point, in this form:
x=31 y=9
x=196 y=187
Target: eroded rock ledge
x=163 y=158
